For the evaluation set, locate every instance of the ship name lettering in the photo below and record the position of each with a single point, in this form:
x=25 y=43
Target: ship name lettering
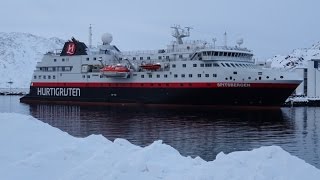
x=245 y=85
x=74 y=92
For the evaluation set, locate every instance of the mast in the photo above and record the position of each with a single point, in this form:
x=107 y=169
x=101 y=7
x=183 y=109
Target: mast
x=90 y=36
x=180 y=33
x=225 y=39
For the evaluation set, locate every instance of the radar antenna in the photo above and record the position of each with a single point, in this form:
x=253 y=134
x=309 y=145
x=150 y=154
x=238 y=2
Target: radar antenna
x=240 y=41
x=180 y=33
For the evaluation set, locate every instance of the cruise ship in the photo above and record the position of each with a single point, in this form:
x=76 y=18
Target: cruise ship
x=192 y=72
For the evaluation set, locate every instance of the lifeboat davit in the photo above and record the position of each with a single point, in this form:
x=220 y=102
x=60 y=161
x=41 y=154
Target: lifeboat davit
x=151 y=66
x=115 y=71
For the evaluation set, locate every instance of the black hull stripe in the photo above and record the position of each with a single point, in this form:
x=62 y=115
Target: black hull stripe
x=187 y=96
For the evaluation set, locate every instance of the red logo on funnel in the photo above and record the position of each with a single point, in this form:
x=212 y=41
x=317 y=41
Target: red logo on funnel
x=71 y=48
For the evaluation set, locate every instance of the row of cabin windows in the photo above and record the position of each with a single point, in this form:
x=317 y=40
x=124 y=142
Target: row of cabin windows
x=63 y=60
x=67 y=59
x=57 y=68
x=148 y=57
x=94 y=58
x=176 y=75
x=217 y=65
x=165 y=76
x=230 y=54
x=44 y=77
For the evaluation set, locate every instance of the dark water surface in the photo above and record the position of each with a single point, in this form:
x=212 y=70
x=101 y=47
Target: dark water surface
x=192 y=131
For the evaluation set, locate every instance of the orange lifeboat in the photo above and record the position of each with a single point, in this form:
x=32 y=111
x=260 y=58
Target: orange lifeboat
x=151 y=66
x=115 y=71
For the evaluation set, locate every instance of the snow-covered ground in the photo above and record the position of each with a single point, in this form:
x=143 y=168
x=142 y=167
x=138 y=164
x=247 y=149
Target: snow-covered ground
x=19 y=53
x=31 y=149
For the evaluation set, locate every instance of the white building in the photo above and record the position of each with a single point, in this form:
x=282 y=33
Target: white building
x=311 y=76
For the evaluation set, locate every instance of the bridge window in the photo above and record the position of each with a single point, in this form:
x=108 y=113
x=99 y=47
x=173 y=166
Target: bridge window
x=225 y=54
x=232 y=64
x=229 y=54
x=215 y=53
x=215 y=64
x=223 y=65
x=227 y=64
x=220 y=53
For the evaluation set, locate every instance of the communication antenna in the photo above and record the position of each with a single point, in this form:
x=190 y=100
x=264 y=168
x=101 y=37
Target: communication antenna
x=225 y=39
x=214 y=42
x=90 y=36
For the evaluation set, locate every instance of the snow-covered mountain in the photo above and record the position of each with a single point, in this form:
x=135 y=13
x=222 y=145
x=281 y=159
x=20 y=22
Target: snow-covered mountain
x=297 y=58
x=19 y=54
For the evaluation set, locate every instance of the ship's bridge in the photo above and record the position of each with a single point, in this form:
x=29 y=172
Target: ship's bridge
x=223 y=54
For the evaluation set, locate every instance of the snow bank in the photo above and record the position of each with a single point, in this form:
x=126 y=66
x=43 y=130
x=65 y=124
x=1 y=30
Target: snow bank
x=34 y=150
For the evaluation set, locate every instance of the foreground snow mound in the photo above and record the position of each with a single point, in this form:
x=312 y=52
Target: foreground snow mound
x=34 y=150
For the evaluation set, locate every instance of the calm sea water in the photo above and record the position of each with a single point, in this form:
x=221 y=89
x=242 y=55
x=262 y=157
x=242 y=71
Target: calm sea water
x=192 y=131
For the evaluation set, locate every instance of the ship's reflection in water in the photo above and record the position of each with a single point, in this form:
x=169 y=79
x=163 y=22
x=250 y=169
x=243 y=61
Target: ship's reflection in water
x=192 y=131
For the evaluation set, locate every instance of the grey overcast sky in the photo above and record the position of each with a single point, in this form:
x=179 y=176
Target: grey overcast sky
x=269 y=27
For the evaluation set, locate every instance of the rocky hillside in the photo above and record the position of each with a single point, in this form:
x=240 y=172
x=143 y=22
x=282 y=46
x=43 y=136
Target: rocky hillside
x=297 y=58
